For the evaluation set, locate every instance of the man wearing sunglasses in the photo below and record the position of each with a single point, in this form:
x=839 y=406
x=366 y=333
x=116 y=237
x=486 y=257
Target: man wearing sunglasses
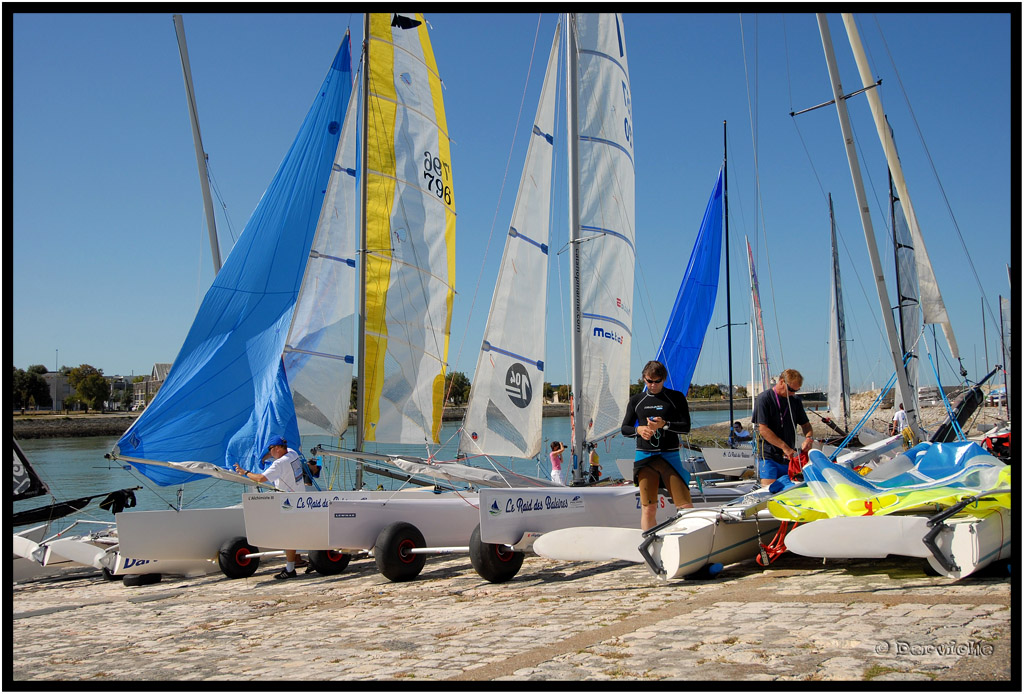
x=655 y=417
x=777 y=412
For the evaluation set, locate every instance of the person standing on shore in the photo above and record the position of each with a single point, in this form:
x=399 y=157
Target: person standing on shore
x=777 y=412
x=899 y=421
x=595 y=464
x=556 y=461
x=655 y=417
x=285 y=473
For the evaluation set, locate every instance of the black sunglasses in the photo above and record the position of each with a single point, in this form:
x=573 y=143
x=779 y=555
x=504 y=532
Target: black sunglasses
x=792 y=389
x=654 y=382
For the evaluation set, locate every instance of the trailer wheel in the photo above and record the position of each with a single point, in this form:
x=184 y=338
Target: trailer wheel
x=133 y=580
x=233 y=560
x=494 y=563
x=391 y=552
x=107 y=574
x=327 y=562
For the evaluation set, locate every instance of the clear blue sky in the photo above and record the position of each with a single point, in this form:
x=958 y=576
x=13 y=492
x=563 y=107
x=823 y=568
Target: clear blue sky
x=111 y=258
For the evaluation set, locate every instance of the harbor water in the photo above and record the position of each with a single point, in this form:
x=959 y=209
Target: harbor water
x=76 y=467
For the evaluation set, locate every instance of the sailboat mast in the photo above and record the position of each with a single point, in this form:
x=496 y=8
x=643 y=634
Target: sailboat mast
x=932 y=306
x=361 y=307
x=579 y=431
x=865 y=218
x=197 y=140
x=728 y=296
x=896 y=264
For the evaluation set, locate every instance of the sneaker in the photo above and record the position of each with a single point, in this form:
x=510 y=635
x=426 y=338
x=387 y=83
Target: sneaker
x=285 y=573
x=309 y=569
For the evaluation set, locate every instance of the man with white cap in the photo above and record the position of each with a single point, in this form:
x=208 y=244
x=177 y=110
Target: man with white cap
x=285 y=473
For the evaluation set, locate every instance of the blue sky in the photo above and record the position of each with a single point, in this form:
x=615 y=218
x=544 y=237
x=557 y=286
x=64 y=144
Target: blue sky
x=111 y=257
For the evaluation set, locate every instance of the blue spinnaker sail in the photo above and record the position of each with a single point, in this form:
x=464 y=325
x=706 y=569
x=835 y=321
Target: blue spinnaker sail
x=684 y=334
x=227 y=392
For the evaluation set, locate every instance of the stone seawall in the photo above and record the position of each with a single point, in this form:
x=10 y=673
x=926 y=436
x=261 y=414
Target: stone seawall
x=58 y=426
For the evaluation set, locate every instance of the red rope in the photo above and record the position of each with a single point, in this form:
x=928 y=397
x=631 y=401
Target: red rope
x=770 y=552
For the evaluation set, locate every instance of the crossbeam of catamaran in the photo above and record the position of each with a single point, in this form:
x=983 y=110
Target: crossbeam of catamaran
x=195 y=467
x=450 y=471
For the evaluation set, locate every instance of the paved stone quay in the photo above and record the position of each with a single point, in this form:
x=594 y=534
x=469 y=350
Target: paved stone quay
x=799 y=620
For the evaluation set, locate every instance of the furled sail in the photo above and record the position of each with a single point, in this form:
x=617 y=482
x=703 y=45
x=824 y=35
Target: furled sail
x=227 y=391
x=761 y=383
x=606 y=248
x=695 y=302
x=909 y=305
x=838 y=367
x=410 y=235
x=505 y=410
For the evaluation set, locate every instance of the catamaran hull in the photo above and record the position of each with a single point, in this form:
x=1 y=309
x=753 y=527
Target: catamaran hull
x=507 y=515
x=188 y=535
x=285 y=520
x=731 y=462
x=969 y=542
x=706 y=537
x=444 y=522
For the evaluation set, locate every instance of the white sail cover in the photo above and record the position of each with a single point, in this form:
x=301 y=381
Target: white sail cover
x=318 y=354
x=607 y=252
x=838 y=369
x=410 y=235
x=505 y=411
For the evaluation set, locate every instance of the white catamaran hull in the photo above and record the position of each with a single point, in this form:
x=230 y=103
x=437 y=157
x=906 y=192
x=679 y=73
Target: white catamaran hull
x=699 y=538
x=188 y=535
x=285 y=520
x=969 y=542
x=444 y=522
x=507 y=515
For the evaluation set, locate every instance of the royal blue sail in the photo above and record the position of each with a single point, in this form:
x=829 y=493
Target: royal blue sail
x=227 y=392
x=684 y=334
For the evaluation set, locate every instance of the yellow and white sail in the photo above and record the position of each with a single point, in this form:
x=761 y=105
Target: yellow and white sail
x=410 y=235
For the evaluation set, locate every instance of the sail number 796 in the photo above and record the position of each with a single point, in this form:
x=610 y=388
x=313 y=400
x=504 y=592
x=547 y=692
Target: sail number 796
x=435 y=173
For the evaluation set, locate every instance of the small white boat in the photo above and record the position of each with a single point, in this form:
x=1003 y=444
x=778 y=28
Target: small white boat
x=694 y=542
x=955 y=547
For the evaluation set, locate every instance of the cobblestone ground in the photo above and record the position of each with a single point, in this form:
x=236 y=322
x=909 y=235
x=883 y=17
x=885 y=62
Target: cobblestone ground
x=797 y=621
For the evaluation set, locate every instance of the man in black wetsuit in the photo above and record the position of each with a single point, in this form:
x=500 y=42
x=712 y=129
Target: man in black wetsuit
x=656 y=416
x=777 y=412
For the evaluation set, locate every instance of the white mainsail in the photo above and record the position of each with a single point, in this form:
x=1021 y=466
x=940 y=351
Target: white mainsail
x=606 y=250
x=505 y=409
x=504 y=415
x=409 y=269
x=318 y=354
x=908 y=303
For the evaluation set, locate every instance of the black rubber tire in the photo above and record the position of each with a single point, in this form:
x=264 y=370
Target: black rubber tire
x=233 y=561
x=133 y=580
x=494 y=563
x=327 y=562
x=390 y=552
x=108 y=575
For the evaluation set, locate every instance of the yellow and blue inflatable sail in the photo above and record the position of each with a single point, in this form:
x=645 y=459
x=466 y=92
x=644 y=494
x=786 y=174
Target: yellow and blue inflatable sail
x=927 y=477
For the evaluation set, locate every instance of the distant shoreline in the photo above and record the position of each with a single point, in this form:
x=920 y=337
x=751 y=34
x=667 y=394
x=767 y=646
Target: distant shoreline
x=44 y=425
